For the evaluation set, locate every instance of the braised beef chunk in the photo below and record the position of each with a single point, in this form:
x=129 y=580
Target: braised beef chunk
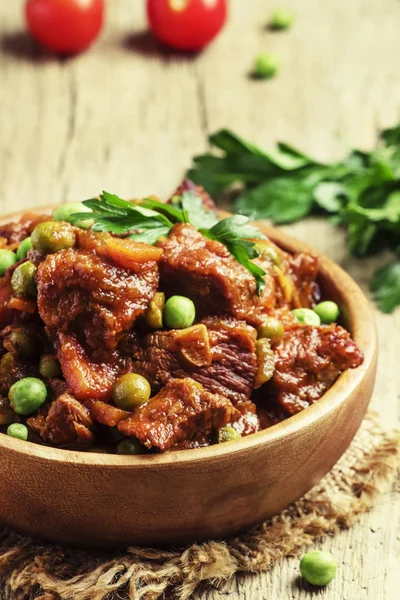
x=205 y=271
x=196 y=190
x=67 y=423
x=87 y=378
x=87 y=298
x=12 y=369
x=180 y=415
x=304 y=270
x=95 y=312
x=6 y=294
x=219 y=353
x=13 y=233
x=290 y=279
x=308 y=360
x=7 y=415
x=88 y=291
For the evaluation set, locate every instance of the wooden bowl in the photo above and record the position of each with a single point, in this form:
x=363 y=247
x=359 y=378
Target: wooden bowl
x=100 y=500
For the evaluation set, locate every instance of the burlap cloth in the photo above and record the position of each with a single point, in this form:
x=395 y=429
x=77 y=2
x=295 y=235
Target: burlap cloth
x=31 y=570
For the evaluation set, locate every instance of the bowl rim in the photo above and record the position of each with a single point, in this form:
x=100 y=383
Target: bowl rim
x=362 y=324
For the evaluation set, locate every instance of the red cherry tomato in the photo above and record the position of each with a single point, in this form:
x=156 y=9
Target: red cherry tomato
x=186 y=24
x=66 y=26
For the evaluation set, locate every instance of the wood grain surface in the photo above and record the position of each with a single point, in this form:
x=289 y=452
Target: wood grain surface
x=127 y=118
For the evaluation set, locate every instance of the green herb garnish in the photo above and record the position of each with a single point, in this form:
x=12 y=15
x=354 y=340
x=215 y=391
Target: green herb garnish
x=386 y=286
x=150 y=219
x=360 y=192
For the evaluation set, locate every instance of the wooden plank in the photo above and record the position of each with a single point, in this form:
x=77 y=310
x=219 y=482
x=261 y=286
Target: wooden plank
x=128 y=119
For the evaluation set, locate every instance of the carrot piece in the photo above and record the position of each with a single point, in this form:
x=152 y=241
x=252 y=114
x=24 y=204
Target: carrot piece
x=128 y=253
x=22 y=304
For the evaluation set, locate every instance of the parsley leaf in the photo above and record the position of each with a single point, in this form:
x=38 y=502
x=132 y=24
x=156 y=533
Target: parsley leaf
x=151 y=219
x=385 y=286
x=361 y=192
x=111 y=213
x=234 y=232
x=279 y=199
x=197 y=215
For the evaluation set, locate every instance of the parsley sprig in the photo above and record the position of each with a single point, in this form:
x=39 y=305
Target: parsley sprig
x=361 y=192
x=150 y=219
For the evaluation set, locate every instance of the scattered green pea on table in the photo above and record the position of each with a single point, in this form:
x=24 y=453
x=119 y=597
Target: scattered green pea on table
x=7 y=260
x=266 y=66
x=179 y=312
x=318 y=567
x=27 y=395
x=281 y=19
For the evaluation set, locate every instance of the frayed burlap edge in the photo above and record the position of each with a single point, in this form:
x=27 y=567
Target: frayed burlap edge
x=31 y=570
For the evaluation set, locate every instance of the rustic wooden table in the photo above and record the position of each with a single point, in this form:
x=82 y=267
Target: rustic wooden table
x=127 y=118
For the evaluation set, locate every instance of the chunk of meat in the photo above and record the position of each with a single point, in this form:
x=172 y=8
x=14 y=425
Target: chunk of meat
x=17 y=231
x=308 y=360
x=304 y=270
x=12 y=369
x=290 y=279
x=85 y=377
x=6 y=294
x=197 y=190
x=67 y=423
x=89 y=292
x=7 y=414
x=182 y=413
x=219 y=353
x=205 y=271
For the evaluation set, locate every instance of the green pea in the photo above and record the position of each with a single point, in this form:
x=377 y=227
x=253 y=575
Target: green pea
x=24 y=342
x=179 y=312
x=24 y=248
x=131 y=391
x=130 y=446
x=27 y=395
x=327 y=311
x=65 y=211
x=19 y=431
x=306 y=316
x=281 y=19
x=7 y=260
x=318 y=568
x=49 y=366
x=228 y=434
x=53 y=236
x=271 y=328
x=266 y=66
x=23 y=280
